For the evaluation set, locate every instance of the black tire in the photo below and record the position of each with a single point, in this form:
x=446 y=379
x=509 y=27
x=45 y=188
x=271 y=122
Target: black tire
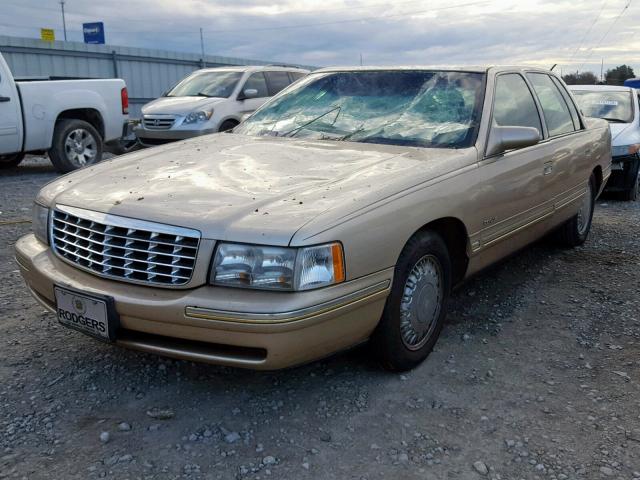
x=65 y=158
x=122 y=146
x=575 y=231
x=227 y=125
x=392 y=340
x=11 y=161
x=631 y=194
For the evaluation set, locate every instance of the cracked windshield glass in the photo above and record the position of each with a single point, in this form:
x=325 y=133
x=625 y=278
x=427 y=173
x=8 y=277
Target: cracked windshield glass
x=413 y=108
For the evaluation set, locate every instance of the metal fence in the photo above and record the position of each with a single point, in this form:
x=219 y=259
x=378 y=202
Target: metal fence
x=148 y=73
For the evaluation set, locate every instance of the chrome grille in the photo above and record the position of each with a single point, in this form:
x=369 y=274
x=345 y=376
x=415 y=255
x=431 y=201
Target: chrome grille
x=124 y=249
x=158 y=123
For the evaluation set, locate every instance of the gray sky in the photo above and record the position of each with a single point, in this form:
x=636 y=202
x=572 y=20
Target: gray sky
x=574 y=34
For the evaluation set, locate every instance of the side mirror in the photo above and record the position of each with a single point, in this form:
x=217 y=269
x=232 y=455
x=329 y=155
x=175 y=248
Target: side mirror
x=248 y=93
x=502 y=139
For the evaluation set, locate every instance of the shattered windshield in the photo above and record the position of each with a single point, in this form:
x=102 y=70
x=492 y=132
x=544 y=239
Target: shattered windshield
x=615 y=106
x=414 y=108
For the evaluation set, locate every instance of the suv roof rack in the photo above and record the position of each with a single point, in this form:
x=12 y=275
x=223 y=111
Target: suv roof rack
x=281 y=65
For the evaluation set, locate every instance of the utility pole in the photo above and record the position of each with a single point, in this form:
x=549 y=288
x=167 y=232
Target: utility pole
x=602 y=71
x=202 y=47
x=64 y=23
x=361 y=59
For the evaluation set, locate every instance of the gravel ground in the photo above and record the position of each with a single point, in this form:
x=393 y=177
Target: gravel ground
x=535 y=376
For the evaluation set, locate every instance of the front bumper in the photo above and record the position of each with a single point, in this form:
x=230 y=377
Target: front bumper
x=242 y=328
x=157 y=137
x=624 y=173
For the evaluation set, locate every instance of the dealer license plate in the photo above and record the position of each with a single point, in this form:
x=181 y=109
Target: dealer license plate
x=87 y=313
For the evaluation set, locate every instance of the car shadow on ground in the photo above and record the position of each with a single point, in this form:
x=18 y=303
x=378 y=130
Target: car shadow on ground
x=473 y=308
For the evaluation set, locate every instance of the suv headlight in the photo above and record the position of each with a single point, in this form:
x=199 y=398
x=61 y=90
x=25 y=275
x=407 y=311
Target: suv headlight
x=40 y=222
x=277 y=268
x=198 y=117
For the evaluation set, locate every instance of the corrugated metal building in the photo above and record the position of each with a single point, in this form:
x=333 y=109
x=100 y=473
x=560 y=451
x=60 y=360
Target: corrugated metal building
x=148 y=73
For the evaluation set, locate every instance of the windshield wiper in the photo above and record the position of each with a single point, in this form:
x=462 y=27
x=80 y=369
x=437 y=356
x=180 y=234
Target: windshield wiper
x=294 y=131
x=202 y=94
x=614 y=120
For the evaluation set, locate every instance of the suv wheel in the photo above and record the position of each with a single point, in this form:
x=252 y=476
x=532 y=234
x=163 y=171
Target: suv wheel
x=416 y=308
x=227 y=125
x=76 y=144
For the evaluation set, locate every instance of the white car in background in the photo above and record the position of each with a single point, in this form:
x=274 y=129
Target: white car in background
x=211 y=100
x=620 y=107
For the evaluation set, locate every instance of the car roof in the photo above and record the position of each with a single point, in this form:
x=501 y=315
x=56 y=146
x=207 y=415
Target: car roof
x=254 y=68
x=447 y=68
x=601 y=88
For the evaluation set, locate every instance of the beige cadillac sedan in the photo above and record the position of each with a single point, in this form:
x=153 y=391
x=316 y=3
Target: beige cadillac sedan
x=343 y=210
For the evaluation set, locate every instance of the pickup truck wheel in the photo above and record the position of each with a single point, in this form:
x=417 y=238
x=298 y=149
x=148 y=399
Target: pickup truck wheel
x=576 y=230
x=76 y=144
x=416 y=308
x=10 y=161
x=631 y=194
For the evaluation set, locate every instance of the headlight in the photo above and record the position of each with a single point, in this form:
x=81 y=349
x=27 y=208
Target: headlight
x=277 y=268
x=198 y=117
x=40 y=222
x=622 y=150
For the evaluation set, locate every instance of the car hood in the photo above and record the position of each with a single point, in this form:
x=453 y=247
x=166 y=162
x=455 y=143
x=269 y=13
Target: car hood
x=250 y=189
x=179 y=105
x=618 y=131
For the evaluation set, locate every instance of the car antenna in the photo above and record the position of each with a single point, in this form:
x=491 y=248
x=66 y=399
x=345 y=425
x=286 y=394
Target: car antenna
x=554 y=66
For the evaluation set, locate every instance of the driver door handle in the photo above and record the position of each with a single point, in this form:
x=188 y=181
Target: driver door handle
x=5 y=99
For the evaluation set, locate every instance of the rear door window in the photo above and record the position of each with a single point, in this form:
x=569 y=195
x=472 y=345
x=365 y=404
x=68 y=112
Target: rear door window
x=572 y=106
x=296 y=76
x=554 y=107
x=259 y=83
x=514 y=105
x=277 y=81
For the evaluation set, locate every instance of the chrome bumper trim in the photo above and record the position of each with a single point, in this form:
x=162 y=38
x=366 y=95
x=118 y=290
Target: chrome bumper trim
x=370 y=293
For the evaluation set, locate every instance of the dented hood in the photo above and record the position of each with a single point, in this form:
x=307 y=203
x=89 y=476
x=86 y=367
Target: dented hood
x=250 y=189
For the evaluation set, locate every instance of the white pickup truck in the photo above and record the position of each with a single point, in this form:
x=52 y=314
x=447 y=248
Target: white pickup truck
x=70 y=119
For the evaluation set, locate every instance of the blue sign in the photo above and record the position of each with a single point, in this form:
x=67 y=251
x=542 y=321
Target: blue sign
x=93 y=32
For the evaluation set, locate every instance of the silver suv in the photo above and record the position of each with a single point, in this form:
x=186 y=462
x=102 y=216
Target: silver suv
x=211 y=100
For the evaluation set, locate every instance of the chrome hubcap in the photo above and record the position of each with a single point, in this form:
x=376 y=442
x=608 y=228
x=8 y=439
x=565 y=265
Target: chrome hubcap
x=585 y=211
x=80 y=147
x=421 y=302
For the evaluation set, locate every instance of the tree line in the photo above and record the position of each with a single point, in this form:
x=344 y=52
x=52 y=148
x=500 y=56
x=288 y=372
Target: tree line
x=614 y=76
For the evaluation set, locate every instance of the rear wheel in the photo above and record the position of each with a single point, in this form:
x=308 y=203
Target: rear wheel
x=76 y=144
x=576 y=230
x=227 y=125
x=416 y=308
x=10 y=161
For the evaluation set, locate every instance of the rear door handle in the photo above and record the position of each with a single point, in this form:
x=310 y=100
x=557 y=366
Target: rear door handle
x=5 y=99
x=548 y=168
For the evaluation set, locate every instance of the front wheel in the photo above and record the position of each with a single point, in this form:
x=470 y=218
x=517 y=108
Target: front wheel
x=76 y=144
x=228 y=125
x=576 y=230
x=416 y=308
x=10 y=161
